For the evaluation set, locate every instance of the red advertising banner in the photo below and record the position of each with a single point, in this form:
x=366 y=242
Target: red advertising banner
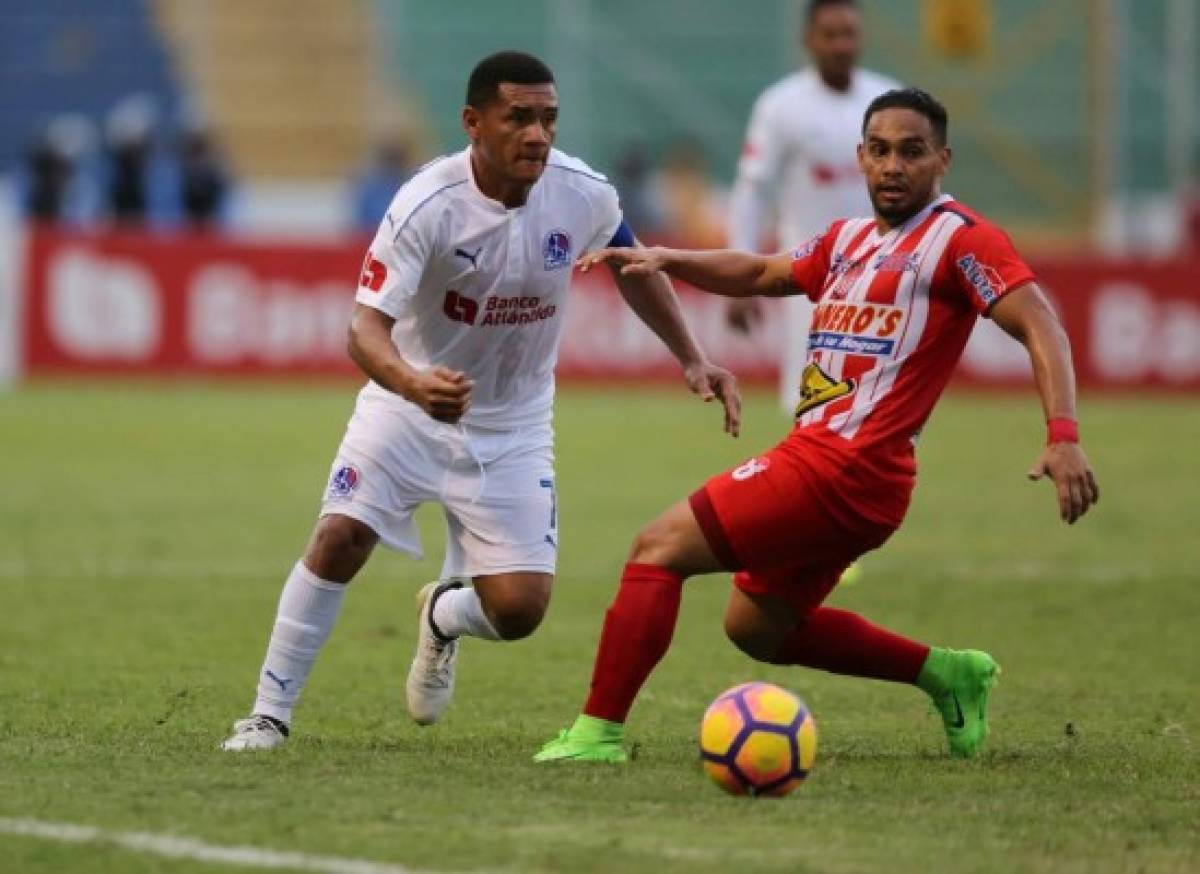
x=138 y=303
x=113 y=303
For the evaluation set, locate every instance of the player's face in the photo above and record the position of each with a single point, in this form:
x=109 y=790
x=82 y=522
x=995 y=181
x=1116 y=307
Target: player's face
x=834 y=40
x=903 y=162
x=513 y=134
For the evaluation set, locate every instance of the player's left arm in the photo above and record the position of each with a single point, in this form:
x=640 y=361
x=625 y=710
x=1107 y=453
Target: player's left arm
x=1026 y=314
x=652 y=297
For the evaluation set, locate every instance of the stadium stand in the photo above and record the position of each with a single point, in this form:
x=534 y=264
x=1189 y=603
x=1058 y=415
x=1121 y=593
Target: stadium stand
x=75 y=56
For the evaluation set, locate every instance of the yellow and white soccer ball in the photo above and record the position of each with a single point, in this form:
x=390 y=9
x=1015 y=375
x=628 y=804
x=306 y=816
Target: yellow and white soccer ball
x=758 y=739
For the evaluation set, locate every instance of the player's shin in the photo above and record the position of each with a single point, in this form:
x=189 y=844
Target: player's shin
x=459 y=611
x=308 y=608
x=637 y=632
x=845 y=643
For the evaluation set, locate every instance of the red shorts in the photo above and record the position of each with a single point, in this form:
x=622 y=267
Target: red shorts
x=792 y=520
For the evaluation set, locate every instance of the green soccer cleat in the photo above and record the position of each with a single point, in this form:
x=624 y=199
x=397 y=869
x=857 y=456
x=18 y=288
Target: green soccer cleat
x=588 y=740
x=959 y=681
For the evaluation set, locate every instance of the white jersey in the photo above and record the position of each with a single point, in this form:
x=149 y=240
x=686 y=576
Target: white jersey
x=477 y=287
x=799 y=158
x=799 y=167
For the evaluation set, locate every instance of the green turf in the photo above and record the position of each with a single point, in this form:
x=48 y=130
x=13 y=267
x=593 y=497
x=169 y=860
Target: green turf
x=145 y=532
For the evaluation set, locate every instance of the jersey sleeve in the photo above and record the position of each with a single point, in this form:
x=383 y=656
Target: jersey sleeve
x=606 y=209
x=810 y=262
x=985 y=266
x=762 y=150
x=392 y=268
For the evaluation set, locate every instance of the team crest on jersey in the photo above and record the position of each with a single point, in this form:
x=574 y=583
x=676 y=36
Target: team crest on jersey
x=344 y=481
x=845 y=273
x=556 y=251
x=986 y=280
x=840 y=264
x=896 y=262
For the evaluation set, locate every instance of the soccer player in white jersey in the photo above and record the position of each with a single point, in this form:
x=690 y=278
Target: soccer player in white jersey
x=798 y=171
x=459 y=312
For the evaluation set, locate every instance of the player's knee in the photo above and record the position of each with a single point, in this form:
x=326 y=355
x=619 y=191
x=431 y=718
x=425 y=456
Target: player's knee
x=652 y=545
x=515 y=618
x=751 y=641
x=339 y=547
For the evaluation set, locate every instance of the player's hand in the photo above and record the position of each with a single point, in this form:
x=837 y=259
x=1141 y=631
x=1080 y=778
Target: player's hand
x=744 y=314
x=710 y=381
x=628 y=262
x=1068 y=468
x=444 y=394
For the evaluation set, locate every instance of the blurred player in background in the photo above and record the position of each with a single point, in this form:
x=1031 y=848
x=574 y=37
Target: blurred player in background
x=797 y=172
x=896 y=298
x=458 y=319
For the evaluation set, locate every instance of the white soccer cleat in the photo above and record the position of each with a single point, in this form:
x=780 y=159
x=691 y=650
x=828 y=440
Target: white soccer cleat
x=431 y=677
x=256 y=733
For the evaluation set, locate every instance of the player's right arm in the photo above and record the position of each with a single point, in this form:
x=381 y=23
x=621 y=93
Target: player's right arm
x=730 y=272
x=391 y=275
x=726 y=272
x=444 y=394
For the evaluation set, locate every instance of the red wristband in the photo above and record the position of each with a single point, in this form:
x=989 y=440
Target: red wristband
x=1062 y=430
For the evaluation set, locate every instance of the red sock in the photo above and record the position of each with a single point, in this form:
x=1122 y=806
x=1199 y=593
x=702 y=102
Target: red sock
x=844 y=643
x=637 y=631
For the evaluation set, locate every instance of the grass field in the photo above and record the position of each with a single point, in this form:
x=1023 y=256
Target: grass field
x=145 y=532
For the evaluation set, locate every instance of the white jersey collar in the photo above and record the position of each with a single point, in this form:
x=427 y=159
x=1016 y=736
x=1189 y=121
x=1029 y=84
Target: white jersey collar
x=491 y=203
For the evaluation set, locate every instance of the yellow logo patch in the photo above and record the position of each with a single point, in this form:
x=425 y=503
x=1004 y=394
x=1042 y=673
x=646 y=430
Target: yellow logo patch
x=817 y=388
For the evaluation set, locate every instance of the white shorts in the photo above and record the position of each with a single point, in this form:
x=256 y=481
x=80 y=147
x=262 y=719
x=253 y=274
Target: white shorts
x=496 y=487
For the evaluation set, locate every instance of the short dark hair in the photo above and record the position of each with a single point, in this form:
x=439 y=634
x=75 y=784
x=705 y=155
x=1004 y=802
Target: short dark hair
x=517 y=67
x=815 y=7
x=916 y=100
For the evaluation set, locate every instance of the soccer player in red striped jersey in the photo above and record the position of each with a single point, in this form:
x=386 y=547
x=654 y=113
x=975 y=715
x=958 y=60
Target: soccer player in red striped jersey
x=896 y=297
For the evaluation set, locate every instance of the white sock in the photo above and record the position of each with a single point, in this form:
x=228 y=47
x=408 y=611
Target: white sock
x=308 y=608
x=459 y=611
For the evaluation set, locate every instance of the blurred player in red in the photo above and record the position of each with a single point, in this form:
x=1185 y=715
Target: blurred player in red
x=896 y=297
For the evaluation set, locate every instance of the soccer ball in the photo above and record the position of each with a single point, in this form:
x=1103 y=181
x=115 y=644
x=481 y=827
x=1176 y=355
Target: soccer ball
x=758 y=739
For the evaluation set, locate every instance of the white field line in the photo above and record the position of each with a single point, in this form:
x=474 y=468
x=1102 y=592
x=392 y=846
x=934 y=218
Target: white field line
x=174 y=847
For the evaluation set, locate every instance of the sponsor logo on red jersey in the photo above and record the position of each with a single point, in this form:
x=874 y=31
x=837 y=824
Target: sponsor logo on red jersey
x=986 y=281
x=855 y=328
x=818 y=388
x=806 y=248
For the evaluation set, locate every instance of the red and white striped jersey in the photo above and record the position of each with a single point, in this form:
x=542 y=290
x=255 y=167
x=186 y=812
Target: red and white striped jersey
x=893 y=313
